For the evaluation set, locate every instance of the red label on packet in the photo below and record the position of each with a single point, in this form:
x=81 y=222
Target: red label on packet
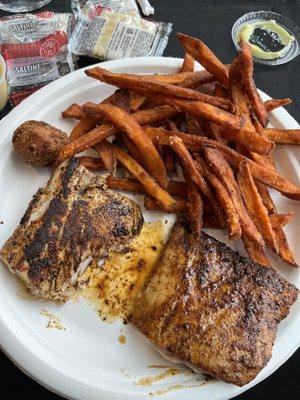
x=46 y=48
x=95 y=12
x=35 y=50
x=49 y=48
x=45 y=14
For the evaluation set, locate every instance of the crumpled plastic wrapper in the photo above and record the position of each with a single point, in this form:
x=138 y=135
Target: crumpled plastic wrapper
x=110 y=33
x=35 y=49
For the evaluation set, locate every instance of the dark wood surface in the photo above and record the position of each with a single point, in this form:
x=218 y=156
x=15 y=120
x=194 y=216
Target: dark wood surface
x=211 y=21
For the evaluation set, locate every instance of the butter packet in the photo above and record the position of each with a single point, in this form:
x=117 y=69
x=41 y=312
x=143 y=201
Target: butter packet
x=109 y=35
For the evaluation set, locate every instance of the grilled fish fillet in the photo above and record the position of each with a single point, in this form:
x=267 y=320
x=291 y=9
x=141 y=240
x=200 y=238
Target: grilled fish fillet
x=212 y=309
x=71 y=221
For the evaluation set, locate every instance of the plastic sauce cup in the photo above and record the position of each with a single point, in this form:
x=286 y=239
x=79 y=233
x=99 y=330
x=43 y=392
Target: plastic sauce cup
x=275 y=41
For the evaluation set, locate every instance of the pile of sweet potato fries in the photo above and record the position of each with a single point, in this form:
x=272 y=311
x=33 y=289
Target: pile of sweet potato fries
x=211 y=123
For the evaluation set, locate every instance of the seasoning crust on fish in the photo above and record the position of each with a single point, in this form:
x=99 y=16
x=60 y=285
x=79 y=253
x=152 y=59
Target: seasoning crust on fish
x=71 y=221
x=212 y=309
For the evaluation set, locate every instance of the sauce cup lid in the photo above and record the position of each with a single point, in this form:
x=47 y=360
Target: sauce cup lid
x=288 y=53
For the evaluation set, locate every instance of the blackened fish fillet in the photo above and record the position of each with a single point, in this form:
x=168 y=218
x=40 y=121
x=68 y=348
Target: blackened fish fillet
x=210 y=308
x=68 y=223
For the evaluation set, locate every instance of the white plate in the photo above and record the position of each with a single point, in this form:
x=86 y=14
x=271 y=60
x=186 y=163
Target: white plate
x=86 y=361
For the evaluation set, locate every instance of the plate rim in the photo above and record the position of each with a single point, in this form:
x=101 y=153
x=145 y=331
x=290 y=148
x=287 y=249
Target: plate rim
x=8 y=339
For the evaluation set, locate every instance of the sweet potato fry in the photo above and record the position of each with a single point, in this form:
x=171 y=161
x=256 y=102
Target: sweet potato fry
x=214 y=131
x=264 y=160
x=125 y=122
x=199 y=109
x=102 y=132
x=179 y=206
x=257 y=105
x=254 y=140
x=240 y=102
x=84 y=142
x=257 y=125
x=276 y=103
x=194 y=204
x=237 y=93
x=171 y=125
x=267 y=162
x=265 y=196
x=149 y=184
x=283 y=136
x=122 y=99
x=126 y=184
x=188 y=64
x=91 y=163
x=88 y=122
x=132 y=185
x=107 y=156
x=268 y=176
x=73 y=111
x=194 y=143
x=206 y=111
x=251 y=140
x=143 y=116
x=234 y=227
x=136 y=101
x=133 y=150
x=255 y=252
x=168 y=154
x=132 y=82
x=193 y=127
x=280 y=220
x=221 y=91
x=196 y=79
x=189 y=165
x=255 y=206
x=205 y=57
x=222 y=170
x=169 y=159
x=284 y=251
x=184 y=79
x=265 y=175
x=209 y=220
x=241 y=106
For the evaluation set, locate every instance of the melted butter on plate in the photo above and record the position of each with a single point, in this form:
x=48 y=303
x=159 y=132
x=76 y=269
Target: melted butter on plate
x=122 y=339
x=54 y=322
x=148 y=380
x=207 y=380
x=112 y=287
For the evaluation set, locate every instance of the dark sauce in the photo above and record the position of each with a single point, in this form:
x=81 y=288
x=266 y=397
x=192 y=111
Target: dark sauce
x=267 y=40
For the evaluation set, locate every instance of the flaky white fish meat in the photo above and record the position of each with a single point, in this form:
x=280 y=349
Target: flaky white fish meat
x=71 y=221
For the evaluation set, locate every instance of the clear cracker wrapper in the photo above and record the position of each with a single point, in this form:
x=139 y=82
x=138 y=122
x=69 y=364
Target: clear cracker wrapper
x=35 y=49
x=146 y=7
x=85 y=7
x=109 y=35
